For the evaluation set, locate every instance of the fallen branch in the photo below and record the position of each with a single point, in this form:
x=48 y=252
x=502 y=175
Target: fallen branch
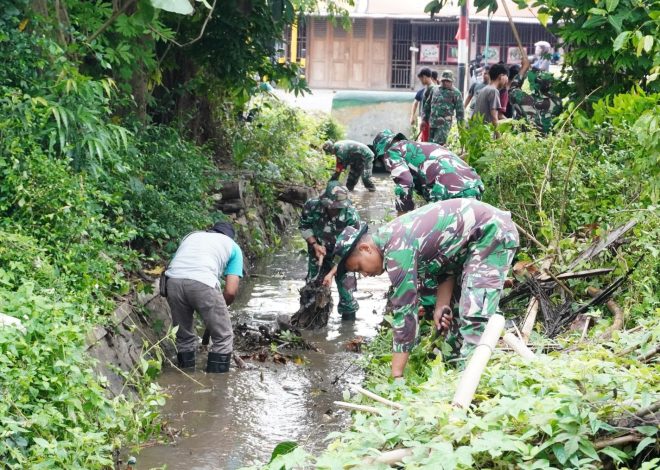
x=617 y=441
x=377 y=398
x=355 y=407
x=649 y=355
x=597 y=247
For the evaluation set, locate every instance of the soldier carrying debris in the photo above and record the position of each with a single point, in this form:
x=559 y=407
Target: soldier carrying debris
x=356 y=155
x=431 y=170
x=458 y=239
x=321 y=222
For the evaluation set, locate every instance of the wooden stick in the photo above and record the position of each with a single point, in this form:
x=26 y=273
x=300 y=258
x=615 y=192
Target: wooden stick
x=650 y=354
x=519 y=347
x=617 y=441
x=391 y=457
x=527 y=234
x=378 y=398
x=475 y=368
x=530 y=319
x=560 y=284
x=523 y=52
x=585 y=328
x=355 y=407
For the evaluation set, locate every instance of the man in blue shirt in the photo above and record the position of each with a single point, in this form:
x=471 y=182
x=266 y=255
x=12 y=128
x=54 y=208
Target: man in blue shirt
x=193 y=280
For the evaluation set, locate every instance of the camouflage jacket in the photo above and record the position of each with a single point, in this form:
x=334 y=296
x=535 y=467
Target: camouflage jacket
x=436 y=240
x=539 y=107
x=316 y=221
x=440 y=106
x=431 y=170
x=351 y=152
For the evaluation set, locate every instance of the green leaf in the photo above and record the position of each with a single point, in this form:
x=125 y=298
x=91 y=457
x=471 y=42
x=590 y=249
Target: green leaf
x=644 y=443
x=41 y=442
x=647 y=430
x=283 y=448
x=598 y=11
x=611 y=4
x=594 y=21
x=620 y=40
x=648 y=43
x=182 y=7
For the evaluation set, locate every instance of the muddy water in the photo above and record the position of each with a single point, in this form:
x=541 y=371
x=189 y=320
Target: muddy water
x=236 y=419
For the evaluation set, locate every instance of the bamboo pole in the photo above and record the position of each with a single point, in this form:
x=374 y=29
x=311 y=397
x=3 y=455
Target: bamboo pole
x=377 y=398
x=356 y=407
x=475 y=368
x=519 y=347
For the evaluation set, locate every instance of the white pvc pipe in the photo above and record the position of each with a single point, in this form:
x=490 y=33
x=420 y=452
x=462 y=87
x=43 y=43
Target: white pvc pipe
x=475 y=368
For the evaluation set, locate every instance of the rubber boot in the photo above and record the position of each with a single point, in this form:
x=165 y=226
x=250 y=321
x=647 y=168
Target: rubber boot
x=218 y=363
x=186 y=359
x=350 y=316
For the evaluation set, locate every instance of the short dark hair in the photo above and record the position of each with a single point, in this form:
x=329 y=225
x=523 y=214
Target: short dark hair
x=513 y=71
x=496 y=70
x=434 y=75
x=425 y=72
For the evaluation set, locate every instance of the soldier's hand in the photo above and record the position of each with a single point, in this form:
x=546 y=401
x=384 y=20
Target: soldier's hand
x=327 y=280
x=319 y=250
x=442 y=318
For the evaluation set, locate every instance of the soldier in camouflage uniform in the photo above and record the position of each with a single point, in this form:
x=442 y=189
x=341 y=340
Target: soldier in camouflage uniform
x=431 y=170
x=541 y=106
x=462 y=239
x=439 y=108
x=356 y=155
x=321 y=222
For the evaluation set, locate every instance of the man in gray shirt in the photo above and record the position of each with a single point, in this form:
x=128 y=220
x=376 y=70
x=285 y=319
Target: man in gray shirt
x=193 y=281
x=488 y=100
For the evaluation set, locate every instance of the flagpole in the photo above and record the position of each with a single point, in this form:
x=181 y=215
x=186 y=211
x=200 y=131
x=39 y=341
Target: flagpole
x=463 y=35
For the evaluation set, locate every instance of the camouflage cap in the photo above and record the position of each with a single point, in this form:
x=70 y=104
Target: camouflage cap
x=447 y=75
x=384 y=140
x=328 y=146
x=346 y=242
x=335 y=196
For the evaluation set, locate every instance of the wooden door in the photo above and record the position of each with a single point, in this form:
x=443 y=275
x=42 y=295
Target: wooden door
x=317 y=57
x=379 y=55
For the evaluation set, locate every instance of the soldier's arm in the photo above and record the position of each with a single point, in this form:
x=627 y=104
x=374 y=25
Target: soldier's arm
x=403 y=179
x=401 y=266
x=306 y=223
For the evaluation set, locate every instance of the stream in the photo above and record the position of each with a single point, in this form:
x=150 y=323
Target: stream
x=236 y=419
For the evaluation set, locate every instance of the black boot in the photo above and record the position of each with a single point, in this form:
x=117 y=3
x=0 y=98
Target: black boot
x=350 y=316
x=186 y=359
x=218 y=362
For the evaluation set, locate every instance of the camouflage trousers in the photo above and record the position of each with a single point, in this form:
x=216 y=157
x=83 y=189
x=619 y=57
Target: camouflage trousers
x=439 y=135
x=346 y=284
x=478 y=294
x=360 y=170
